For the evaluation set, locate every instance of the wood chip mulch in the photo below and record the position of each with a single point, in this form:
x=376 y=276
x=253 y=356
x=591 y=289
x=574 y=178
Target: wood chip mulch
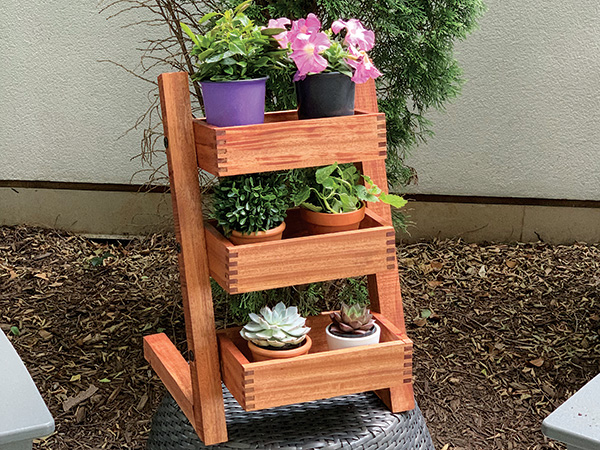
x=503 y=333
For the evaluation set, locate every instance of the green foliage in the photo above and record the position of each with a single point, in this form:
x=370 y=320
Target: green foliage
x=310 y=299
x=335 y=55
x=234 y=49
x=354 y=292
x=414 y=51
x=251 y=203
x=336 y=189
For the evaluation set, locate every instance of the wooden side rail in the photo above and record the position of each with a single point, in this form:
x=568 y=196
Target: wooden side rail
x=172 y=369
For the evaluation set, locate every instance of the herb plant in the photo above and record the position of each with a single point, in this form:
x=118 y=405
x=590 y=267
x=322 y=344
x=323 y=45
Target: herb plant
x=234 y=49
x=250 y=203
x=336 y=189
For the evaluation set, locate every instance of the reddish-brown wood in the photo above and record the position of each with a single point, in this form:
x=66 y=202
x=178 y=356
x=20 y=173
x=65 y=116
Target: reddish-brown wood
x=320 y=374
x=299 y=260
x=384 y=287
x=172 y=369
x=208 y=407
x=283 y=142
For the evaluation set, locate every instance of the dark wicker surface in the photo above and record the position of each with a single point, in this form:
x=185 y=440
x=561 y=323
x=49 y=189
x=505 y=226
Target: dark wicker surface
x=359 y=421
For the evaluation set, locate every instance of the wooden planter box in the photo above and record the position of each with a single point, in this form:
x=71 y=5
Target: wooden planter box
x=320 y=374
x=284 y=142
x=300 y=258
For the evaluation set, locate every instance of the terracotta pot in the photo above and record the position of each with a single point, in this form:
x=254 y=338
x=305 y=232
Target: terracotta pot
x=263 y=354
x=322 y=223
x=274 y=234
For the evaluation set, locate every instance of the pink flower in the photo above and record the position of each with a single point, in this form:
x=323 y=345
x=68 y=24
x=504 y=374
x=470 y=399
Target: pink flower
x=363 y=67
x=356 y=34
x=306 y=53
x=282 y=38
x=309 y=25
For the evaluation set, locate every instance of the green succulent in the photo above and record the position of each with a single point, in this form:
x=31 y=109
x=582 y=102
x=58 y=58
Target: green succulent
x=279 y=327
x=355 y=319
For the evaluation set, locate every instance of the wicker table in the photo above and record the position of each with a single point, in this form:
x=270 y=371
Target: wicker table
x=358 y=421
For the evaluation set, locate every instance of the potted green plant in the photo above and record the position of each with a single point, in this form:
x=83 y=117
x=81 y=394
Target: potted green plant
x=333 y=200
x=277 y=333
x=233 y=59
x=352 y=326
x=251 y=208
x=328 y=63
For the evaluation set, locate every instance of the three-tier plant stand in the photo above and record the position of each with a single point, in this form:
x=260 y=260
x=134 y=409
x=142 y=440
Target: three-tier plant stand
x=282 y=142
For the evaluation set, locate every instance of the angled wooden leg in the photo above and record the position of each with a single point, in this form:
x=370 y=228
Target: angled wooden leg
x=207 y=398
x=384 y=287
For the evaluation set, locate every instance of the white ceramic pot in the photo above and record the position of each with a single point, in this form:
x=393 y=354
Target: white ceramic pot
x=337 y=342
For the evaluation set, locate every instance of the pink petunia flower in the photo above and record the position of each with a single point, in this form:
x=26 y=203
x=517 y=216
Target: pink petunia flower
x=306 y=53
x=282 y=38
x=356 y=34
x=309 y=25
x=363 y=66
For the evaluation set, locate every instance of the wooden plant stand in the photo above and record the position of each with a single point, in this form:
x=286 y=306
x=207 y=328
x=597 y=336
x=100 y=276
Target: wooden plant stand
x=282 y=142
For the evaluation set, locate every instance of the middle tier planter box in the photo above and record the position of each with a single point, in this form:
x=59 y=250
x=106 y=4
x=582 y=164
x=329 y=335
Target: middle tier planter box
x=322 y=373
x=299 y=258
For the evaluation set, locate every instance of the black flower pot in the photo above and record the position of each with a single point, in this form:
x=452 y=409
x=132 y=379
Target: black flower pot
x=325 y=95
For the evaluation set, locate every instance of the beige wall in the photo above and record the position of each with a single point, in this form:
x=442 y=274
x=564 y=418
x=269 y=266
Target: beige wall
x=528 y=121
x=62 y=110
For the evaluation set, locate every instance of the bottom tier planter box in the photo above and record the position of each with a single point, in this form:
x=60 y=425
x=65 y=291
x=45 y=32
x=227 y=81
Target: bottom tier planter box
x=320 y=374
x=300 y=258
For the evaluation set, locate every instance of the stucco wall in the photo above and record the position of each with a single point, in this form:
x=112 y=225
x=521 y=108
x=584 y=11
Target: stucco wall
x=62 y=110
x=526 y=125
x=528 y=121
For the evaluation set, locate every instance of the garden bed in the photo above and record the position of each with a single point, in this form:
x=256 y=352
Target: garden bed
x=502 y=334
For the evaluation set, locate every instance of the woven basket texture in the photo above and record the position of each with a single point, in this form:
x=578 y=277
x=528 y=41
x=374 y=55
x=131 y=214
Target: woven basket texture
x=358 y=421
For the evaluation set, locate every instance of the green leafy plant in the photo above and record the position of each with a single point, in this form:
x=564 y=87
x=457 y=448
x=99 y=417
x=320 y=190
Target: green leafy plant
x=234 y=49
x=251 y=203
x=280 y=327
x=336 y=189
x=354 y=291
x=355 y=319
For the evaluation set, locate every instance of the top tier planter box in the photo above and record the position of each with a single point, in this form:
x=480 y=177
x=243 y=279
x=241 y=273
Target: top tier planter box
x=283 y=142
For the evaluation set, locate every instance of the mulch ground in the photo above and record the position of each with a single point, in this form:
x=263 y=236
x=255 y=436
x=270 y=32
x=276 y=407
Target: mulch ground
x=503 y=333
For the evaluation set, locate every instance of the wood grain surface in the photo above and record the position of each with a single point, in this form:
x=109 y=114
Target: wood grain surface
x=208 y=406
x=283 y=143
x=172 y=369
x=323 y=373
x=299 y=260
x=384 y=287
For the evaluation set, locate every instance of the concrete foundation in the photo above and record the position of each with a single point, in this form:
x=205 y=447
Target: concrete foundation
x=114 y=213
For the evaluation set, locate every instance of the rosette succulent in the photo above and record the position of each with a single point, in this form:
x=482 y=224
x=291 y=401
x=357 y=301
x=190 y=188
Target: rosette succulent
x=280 y=327
x=353 y=319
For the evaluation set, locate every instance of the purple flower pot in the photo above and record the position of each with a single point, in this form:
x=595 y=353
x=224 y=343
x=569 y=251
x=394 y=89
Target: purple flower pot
x=232 y=103
x=325 y=95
